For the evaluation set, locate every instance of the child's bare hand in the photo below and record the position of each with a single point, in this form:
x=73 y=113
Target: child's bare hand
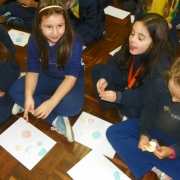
x=28 y=107
x=101 y=85
x=162 y=152
x=108 y=96
x=43 y=110
x=144 y=140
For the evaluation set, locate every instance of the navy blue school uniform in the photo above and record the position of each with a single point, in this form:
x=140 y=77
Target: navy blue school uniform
x=9 y=72
x=130 y=101
x=91 y=22
x=24 y=13
x=160 y=119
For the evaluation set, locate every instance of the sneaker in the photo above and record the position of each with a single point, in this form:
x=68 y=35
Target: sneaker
x=62 y=126
x=15 y=21
x=160 y=174
x=6 y=14
x=5 y=17
x=178 y=27
x=17 y=109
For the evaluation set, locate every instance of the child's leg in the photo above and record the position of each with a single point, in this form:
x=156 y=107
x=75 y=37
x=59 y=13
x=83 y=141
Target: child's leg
x=124 y=138
x=71 y=104
x=168 y=166
x=16 y=91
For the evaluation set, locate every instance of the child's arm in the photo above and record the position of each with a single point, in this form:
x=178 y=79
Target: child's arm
x=30 y=85
x=46 y=107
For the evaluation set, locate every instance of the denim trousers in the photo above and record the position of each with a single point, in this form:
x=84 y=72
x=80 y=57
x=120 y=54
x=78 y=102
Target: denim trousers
x=124 y=138
x=70 y=105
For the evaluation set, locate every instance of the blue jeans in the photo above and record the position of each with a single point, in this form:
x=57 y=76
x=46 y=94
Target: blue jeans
x=124 y=138
x=70 y=105
x=26 y=14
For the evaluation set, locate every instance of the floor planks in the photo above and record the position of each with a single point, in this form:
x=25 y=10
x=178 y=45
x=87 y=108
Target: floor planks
x=64 y=155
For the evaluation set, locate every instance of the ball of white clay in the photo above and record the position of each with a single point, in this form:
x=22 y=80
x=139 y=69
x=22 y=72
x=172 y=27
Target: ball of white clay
x=152 y=146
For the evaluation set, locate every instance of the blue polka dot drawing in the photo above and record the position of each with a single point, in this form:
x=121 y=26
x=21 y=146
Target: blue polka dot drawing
x=42 y=152
x=19 y=39
x=96 y=135
x=39 y=143
x=116 y=175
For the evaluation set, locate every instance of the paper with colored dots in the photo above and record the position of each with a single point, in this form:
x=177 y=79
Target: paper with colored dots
x=95 y=166
x=90 y=131
x=26 y=143
x=19 y=38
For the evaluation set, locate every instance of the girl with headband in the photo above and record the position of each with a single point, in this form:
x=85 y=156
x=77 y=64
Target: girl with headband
x=53 y=88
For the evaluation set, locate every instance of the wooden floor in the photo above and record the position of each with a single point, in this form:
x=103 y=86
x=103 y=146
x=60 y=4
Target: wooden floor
x=64 y=155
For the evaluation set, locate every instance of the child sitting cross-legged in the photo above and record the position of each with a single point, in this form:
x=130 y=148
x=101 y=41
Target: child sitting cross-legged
x=160 y=120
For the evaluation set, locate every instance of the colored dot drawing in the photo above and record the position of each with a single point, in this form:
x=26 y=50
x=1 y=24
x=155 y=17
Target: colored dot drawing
x=39 y=143
x=26 y=134
x=116 y=175
x=28 y=150
x=83 y=120
x=18 y=147
x=96 y=135
x=19 y=39
x=90 y=121
x=42 y=152
x=21 y=34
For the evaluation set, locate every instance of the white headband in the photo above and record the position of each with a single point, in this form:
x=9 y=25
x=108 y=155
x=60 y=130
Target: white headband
x=50 y=7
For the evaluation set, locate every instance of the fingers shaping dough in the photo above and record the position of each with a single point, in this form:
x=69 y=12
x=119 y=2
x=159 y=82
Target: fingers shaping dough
x=152 y=146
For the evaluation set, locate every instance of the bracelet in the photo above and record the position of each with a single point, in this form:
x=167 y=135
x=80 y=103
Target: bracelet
x=173 y=156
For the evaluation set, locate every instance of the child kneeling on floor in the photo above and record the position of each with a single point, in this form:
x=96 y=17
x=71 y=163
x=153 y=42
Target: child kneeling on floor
x=160 y=119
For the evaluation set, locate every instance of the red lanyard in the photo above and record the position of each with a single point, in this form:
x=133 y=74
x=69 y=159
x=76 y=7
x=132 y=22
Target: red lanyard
x=132 y=79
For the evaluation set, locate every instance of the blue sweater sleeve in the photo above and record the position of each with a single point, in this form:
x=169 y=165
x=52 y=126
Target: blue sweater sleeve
x=33 y=56
x=74 y=66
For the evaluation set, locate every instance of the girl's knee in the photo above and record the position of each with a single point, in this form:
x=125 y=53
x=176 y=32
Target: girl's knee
x=17 y=87
x=113 y=131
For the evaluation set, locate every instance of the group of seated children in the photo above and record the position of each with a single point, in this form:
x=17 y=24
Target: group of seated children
x=131 y=81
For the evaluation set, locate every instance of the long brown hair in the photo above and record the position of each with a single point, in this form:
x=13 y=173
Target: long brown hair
x=64 y=48
x=146 y=4
x=4 y=53
x=158 y=29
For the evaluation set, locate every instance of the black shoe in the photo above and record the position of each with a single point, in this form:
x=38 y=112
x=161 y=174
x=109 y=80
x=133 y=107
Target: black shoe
x=15 y=21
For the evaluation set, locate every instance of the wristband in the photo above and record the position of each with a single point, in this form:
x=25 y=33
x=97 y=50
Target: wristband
x=173 y=156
